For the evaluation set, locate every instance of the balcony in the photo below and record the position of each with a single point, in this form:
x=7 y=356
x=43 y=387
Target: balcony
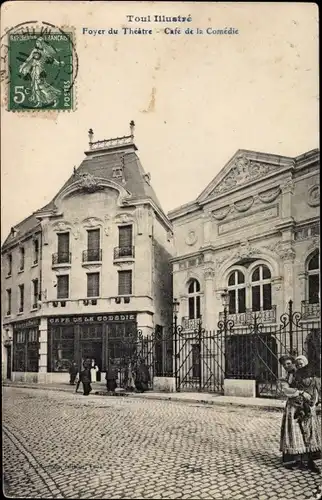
x=99 y=305
x=61 y=259
x=310 y=311
x=190 y=324
x=124 y=253
x=94 y=255
x=247 y=317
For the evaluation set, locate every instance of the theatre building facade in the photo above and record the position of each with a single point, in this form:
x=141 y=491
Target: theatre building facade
x=88 y=271
x=245 y=248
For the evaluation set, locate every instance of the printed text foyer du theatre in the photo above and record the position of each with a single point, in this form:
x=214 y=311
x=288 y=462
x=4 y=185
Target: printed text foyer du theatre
x=157 y=18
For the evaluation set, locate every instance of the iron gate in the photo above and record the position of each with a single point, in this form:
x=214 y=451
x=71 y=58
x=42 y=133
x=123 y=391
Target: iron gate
x=204 y=359
x=253 y=352
x=199 y=360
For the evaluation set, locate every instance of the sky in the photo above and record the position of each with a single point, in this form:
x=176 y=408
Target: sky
x=195 y=99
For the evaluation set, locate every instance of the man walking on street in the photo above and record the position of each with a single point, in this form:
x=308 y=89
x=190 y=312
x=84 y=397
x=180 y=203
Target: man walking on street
x=85 y=378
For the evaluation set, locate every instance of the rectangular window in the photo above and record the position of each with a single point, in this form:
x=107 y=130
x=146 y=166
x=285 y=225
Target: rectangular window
x=93 y=245
x=21 y=297
x=32 y=350
x=63 y=286
x=35 y=293
x=36 y=251
x=125 y=282
x=61 y=348
x=9 y=295
x=125 y=236
x=314 y=288
x=9 y=264
x=256 y=302
x=93 y=284
x=26 y=350
x=22 y=259
x=63 y=248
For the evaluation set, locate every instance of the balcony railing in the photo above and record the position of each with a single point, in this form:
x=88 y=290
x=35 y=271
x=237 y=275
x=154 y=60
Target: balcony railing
x=310 y=310
x=111 y=143
x=190 y=324
x=120 y=252
x=61 y=258
x=94 y=255
x=244 y=318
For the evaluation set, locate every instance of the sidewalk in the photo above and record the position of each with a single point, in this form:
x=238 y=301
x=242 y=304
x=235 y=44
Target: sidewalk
x=182 y=397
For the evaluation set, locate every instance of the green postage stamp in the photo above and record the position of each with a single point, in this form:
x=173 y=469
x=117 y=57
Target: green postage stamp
x=41 y=71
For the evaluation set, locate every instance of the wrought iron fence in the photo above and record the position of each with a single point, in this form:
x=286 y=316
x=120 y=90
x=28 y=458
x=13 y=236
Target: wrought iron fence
x=201 y=360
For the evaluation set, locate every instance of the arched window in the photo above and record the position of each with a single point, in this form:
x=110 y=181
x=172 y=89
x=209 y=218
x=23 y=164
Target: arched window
x=237 y=292
x=313 y=271
x=261 y=288
x=194 y=299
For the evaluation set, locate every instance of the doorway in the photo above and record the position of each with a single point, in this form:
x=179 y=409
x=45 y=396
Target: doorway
x=8 y=362
x=91 y=349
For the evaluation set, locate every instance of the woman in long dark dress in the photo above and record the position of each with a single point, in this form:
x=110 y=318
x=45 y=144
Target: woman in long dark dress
x=300 y=438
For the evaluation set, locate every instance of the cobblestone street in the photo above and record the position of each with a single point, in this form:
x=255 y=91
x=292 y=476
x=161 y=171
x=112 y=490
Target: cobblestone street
x=62 y=445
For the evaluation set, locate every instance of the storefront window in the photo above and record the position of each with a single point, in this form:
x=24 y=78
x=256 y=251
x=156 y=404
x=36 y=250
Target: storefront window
x=61 y=348
x=26 y=350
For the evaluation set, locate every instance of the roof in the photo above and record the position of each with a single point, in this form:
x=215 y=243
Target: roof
x=101 y=166
x=244 y=167
x=29 y=225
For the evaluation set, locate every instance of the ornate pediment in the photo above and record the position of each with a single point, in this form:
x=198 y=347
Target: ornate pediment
x=245 y=167
x=241 y=172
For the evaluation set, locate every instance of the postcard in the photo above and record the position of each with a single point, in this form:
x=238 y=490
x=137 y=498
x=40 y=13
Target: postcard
x=160 y=247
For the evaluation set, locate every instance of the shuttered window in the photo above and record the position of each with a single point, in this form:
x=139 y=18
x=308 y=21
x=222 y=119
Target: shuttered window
x=63 y=286
x=93 y=284
x=63 y=247
x=93 y=239
x=93 y=245
x=21 y=297
x=22 y=259
x=36 y=251
x=125 y=236
x=125 y=282
x=35 y=293
x=9 y=295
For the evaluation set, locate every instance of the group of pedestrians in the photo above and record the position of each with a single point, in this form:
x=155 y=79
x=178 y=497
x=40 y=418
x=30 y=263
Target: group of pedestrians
x=300 y=440
x=136 y=378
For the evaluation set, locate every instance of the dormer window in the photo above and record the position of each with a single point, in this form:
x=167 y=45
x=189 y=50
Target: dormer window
x=147 y=178
x=117 y=172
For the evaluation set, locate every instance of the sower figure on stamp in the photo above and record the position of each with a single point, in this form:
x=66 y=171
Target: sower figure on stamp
x=42 y=93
